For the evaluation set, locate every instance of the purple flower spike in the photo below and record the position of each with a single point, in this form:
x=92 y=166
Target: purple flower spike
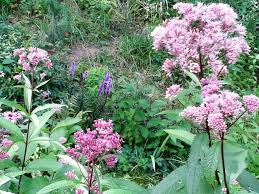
x=85 y=74
x=72 y=69
x=106 y=85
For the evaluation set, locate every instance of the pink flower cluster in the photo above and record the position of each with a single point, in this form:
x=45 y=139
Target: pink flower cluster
x=219 y=106
x=70 y=174
x=5 y=143
x=173 y=91
x=32 y=57
x=202 y=33
x=12 y=116
x=92 y=144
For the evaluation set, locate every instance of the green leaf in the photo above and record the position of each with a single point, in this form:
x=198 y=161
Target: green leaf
x=8 y=61
x=32 y=185
x=49 y=165
x=57 y=185
x=46 y=106
x=120 y=191
x=194 y=169
x=248 y=181
x=41 y=84
x=9 y=176
x=27 y=93
x=67 y=122
x=193 y=77
x=173 y=183
x=30 y=150
x=13 y=104
x=122 y=185
x=183 y=135
x=11 y=127
x=235 y=157
x=35 y=129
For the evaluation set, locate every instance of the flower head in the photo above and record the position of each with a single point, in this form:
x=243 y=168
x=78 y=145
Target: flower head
x=12 y=116
x=106 y=85
x=251 y=102
x=111 y=161
x=17 y=77
x=70 y=175
x=72 y=69
x=173 y=91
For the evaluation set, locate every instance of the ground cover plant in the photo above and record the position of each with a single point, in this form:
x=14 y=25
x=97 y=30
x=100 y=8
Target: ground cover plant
x=128 y=97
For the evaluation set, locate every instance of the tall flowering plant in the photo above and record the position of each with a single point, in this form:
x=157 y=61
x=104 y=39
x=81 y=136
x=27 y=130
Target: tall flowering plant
x=203 y=40
x=93 y=146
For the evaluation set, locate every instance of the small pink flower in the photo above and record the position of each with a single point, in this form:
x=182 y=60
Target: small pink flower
x=3 y=155
x=2 y=74
x=62 y=140
x=111 y=161
x=251 y=102
x=216 y=122
x=70 y=174
x=26 y=67
x=79 y=191
x=42 y=75
x=173 y=91
x=45 y=94
x=17 y=77
x=57 y=109
x=6 y=143
x=12 y=116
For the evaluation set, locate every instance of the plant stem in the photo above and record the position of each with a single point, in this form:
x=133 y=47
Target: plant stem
x=91 y=177
x=223 y=163
x=27 y=132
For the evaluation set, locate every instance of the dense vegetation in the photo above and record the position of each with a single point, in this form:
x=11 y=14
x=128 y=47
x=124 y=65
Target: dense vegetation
x=117 y=97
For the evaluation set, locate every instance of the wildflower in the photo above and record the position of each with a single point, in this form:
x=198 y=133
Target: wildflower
x=251 y=103
x=79 y=191
x=17 y=77
x=42 y=75
x=106 y=85
x=216 y=122
x=13 y=116
x=30 y=58
x=173 y=91
x=72 y=69
x=85 y=75
x=111 y=161
x=3 y=155
x=202 y=31
x=6 y=143
x=2 y=74
x=45 y=94
x=70 y=175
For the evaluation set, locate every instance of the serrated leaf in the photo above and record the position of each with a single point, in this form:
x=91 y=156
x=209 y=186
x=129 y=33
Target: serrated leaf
x=123 y=185
x=9 y=176
x=183 y=135
x=248 y=181
x=173 y=183
x=194 y=169
x=235 y=160
x=57 y=185
x=8 y=61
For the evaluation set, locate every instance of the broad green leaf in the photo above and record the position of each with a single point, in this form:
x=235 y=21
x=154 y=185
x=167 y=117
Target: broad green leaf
x=49 y=165
x=13 y=104
x=7 y=61
x=171 y=184
x=30 y=150
x=34 y=130
x=210 y=161
x=67 y=122
x=120 y=191
x=183 y=135
x=9 y=176
x=57 y=185
x=44 y=141
x=153 y=160
x=32 y=185
x=46 y=106
x=123 y=185
x=11 y=127
x=28 y=98
x=235 y=157
x=248 y=181
x=4 y=192
x=194 y=169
